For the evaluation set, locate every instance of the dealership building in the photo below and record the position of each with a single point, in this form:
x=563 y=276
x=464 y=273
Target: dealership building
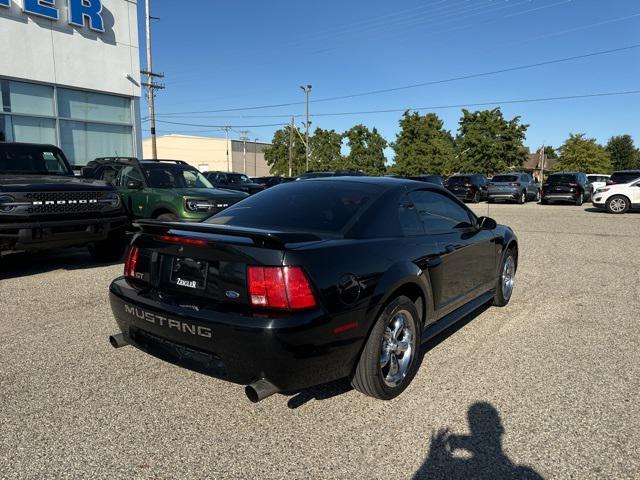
x=70 y=76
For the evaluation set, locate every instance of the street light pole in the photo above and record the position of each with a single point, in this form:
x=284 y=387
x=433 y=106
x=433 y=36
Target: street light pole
x=307 y=91
x=255 y=157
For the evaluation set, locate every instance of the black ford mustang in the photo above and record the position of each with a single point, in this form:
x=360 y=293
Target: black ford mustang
x=313 y=281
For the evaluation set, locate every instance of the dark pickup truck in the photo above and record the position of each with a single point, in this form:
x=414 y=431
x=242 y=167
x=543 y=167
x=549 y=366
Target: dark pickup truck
x=44 y=206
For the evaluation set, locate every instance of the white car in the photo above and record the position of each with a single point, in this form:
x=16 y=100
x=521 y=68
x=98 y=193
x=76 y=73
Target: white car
x=618 y=198
x=597 y=180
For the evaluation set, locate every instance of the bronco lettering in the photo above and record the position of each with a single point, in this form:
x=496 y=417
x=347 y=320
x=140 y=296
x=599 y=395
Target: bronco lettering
x=170 y=323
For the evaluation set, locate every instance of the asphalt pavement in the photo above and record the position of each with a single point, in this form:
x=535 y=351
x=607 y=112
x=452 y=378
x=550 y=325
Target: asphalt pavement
x=546 y=387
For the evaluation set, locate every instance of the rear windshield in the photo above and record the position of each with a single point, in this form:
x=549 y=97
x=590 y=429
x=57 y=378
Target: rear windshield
x=459 y=180
x=313 y=206
x=505 y=178
x=32 y=159
x=562 y=178
x=597 y=178
x=625 y=177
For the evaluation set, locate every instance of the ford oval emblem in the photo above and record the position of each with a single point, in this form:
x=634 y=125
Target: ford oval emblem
x=231 y=294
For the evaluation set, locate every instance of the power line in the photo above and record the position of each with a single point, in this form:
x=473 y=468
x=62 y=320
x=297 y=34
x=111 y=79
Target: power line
x=229 y=127
x=433 y=107
x=421 y=84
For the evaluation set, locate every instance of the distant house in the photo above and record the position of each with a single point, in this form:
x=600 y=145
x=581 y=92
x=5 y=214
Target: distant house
x=536 y=162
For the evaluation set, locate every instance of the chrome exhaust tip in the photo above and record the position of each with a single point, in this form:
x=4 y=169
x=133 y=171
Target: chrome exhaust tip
x=118 y=340
x=259 y=390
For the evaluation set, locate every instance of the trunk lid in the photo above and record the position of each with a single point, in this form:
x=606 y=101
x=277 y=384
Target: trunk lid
x=204 y=263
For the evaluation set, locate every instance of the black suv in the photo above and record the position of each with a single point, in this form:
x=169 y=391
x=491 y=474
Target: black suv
x=44 y=206
x=233 y=181
x=468 y=187
x=623 y=176
x=566 y=187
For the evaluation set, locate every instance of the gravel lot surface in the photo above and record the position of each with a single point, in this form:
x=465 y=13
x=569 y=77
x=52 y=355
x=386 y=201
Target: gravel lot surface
x=546 y=387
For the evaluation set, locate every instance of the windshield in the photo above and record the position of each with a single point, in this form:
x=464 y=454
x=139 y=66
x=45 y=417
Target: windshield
x=504 y=178
x=237 y=178
x=625 y=177
x=301 y=206
x=175 y=176
x=32 y=160
x=459 y=180
x=563 y=178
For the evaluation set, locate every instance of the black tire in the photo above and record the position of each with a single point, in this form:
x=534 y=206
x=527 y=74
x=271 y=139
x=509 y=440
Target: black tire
x=503 y=295
x=618 y=205
x=544 y=202
x=110 y=250
x=167 y=217
x=491 y=200
x=522 y=199
x=369 y=376
x=580 y=199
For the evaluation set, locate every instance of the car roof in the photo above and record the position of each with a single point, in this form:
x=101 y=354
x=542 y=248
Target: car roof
x=387 y=182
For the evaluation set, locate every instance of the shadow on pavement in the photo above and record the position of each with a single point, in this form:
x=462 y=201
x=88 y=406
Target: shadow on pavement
x=25 y=264
x=478 y=455
x=339 y=387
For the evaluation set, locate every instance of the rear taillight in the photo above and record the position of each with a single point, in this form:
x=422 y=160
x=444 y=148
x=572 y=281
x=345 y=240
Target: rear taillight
x=131 y=263
x=282 y=288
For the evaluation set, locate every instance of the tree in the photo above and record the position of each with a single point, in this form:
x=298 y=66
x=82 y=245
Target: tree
x=423 y=146
x=488 y=143
x=277 y=154
x=550 y=152
x=366 y=150
x=581 y=154
x=624 y=155
x=326 y=146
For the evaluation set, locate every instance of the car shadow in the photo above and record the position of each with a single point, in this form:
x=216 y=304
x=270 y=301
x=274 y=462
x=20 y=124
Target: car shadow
x=26 y=264
x=478 y=455
x=342 y=386
x=599 y=210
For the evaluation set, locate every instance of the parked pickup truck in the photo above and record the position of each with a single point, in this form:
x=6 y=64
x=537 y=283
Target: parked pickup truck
x=44 y=206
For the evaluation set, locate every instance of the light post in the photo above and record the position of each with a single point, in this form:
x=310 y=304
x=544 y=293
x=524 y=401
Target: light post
x=307 y=91
x=255 y=157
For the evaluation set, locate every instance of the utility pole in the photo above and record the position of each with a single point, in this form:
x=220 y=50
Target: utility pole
x=542 y=162
x=244 y=138
x=255 y=157
x=226 y=143
x=292 y=125
x=151 y=85
x=307 y=124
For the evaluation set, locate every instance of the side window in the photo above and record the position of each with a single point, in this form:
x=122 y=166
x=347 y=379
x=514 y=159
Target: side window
x=222 y=178
x=129 y=174
x=409 y=220
x=109 y=174
x=438 y=212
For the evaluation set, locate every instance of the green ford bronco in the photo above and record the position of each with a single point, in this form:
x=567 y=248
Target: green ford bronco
x=168 y=190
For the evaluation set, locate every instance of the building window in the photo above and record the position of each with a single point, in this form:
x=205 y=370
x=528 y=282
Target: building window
x=85 y=141
x=93 y=107
x=84 y=124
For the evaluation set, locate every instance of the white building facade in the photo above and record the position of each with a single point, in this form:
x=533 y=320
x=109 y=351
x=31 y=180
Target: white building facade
x=70 y=76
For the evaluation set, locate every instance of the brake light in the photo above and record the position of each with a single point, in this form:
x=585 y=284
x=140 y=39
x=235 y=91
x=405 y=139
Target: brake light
x=197 y=242
x=131 y=263
x=282 y=288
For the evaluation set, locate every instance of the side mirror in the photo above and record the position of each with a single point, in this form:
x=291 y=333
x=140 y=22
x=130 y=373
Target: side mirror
x=134 y=185
x=486 y=223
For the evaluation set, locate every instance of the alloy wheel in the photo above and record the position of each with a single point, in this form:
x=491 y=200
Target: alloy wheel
x=508 y=277
x=398 y=348
x=618 y=205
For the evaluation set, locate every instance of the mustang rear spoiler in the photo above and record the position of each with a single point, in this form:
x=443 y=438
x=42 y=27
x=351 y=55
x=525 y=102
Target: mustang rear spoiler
x=265 y=238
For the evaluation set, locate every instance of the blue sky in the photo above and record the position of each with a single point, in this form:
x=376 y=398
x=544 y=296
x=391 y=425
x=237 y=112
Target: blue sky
x=228 y=55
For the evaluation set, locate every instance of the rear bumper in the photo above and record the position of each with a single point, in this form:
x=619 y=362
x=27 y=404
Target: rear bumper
x=504 y=195
x=43 y=235
x=295 y=352
x=563 y=197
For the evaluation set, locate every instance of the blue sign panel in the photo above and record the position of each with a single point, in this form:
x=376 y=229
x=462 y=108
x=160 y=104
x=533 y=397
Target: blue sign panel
x=79 y=11
x=42 y=8
x=89 y=9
